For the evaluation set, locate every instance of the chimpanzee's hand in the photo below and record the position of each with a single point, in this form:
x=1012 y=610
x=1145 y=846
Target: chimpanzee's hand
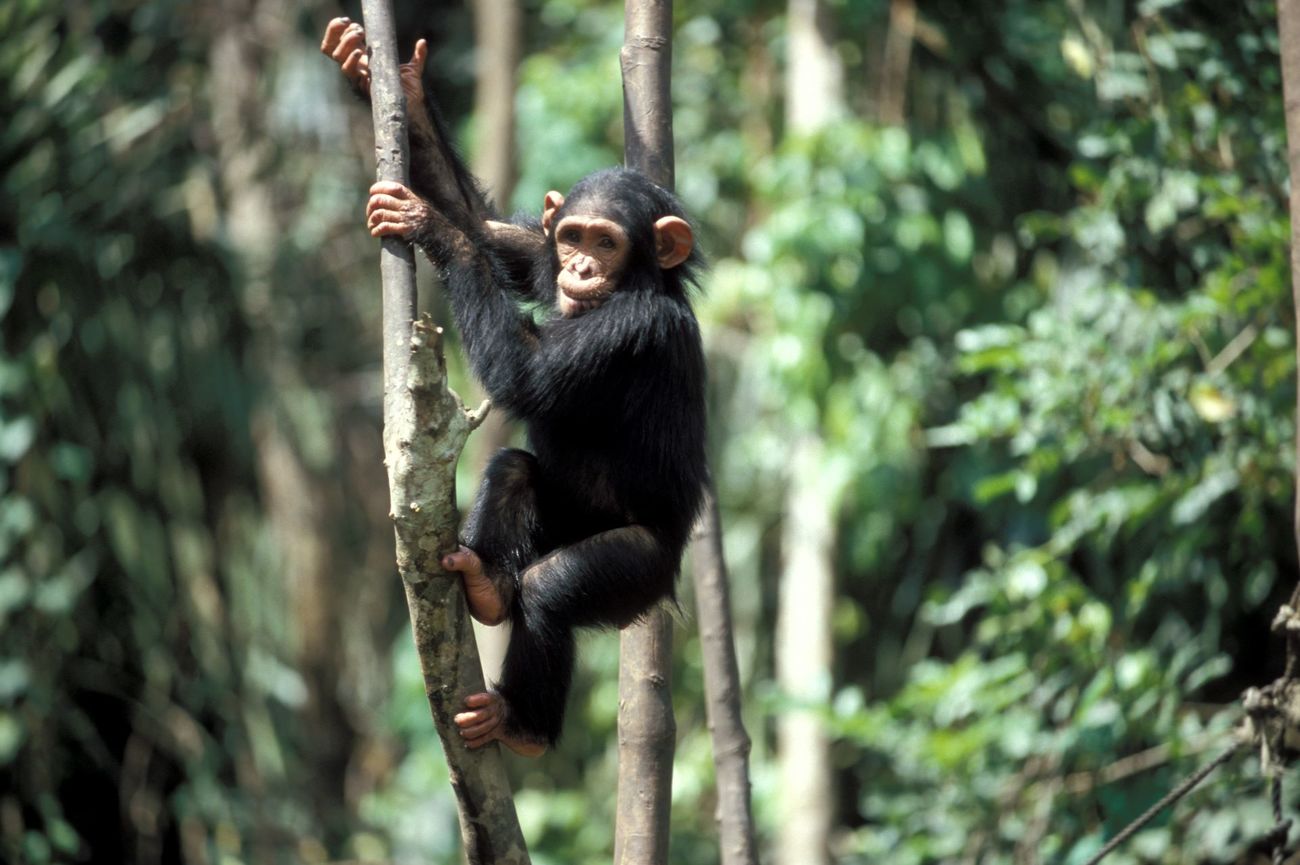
x=395 y=211
x=412 y=74
x=345 y=43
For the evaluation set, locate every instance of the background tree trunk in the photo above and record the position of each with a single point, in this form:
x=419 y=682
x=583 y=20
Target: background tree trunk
x=804 y=661
x=891 y=98
x=497 y=41
x=646 y=729
x=1288 y=16
x=814 y=75
x=814 y=98
x=731 y=744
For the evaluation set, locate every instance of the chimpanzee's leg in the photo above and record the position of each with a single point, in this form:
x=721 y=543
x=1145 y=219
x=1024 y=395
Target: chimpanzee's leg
x=503 y=528
x=609 y=579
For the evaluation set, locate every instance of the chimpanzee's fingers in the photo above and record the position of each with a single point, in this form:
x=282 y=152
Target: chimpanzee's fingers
x=383 y=212
x=383 y=217
x=382 y=202
x=479 y=730
x=465 y=560
x=352 y=44
x=352 y=39
x=479 y=700
x=390 y=187
x=333 y=33
x=355 y=64
x=418 y=56
x=379 y=215
x=391 y=229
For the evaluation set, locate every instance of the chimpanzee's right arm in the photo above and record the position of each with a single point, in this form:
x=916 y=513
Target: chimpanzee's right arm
x=438 y=174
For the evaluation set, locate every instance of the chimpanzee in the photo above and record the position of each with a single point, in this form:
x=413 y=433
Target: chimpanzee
x=587 y=529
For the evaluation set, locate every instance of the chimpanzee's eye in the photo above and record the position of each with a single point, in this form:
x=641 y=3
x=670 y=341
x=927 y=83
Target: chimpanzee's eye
x=605 y=242
x=571 y=235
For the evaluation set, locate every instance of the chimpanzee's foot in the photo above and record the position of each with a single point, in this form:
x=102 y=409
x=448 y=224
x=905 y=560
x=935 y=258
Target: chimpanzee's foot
x=481 y=593
x=485 y=722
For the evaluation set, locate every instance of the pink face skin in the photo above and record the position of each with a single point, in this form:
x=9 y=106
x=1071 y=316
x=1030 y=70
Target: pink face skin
x=593 y=253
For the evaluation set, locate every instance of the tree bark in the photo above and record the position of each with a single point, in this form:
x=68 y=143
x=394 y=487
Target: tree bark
x=803 y=661
x=425 y=429
x=731 y=744
x=814 y=88
x=497 y=48
x=814 y=74
x=1288 y=17
x=647 y=730
x=891 y=99
x=497 y=41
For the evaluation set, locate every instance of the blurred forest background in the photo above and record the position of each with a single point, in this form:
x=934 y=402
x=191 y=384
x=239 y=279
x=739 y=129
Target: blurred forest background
x=1002 y=398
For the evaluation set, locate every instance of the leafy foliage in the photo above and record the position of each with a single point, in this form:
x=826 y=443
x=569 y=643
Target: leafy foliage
x=1043 y=331
x=131 y=547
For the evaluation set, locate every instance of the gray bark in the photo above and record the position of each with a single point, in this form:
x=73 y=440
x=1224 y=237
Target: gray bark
x=497 y=48
x=731 y=744
x=803 y=661
x=425 y=429
x=1288 y=17
x=647 y=730
x=814 y=88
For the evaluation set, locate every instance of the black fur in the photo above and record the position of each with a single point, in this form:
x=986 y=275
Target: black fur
x=588 y=529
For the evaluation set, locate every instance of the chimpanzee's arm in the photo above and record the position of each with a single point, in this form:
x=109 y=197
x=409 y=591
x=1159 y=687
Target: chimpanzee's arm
x=593 y=359
x=439 y=174
x=437 y=171
x=500 y=340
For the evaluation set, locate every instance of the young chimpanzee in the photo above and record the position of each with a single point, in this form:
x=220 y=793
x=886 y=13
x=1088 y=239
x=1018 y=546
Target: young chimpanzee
x=587 y=529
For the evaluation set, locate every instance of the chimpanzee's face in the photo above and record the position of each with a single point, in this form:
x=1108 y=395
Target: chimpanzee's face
x=594 y=240
x=593 y=253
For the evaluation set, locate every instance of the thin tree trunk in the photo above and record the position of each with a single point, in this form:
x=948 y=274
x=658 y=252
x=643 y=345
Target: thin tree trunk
x=497 y=47
x=814 y=98
x=803 y=659
x=891 y=100
x=647 y=730
x=731 y=744
x=1288 y=17
x=425 y=429
x=497 y=41
x=814 y=74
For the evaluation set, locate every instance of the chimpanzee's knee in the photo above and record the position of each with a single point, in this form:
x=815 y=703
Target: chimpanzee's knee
x=503 y=527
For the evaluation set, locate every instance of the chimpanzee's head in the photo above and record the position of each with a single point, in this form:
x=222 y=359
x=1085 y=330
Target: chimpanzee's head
x=616 y=230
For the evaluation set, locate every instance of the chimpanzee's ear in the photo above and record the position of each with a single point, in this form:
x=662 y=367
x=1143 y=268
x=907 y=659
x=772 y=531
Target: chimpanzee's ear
x=551 y=203
x=674 y=241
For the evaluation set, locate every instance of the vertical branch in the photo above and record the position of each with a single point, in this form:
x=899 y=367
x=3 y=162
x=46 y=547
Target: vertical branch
x=497 y=45
x=396 y=256
x=646 y=728
x=731 y=744
x=1288 y=17
x=425 y=429
x=497 y=38
x=891 y=98
x=646 y=59
x=804 y=633
x=814 y=74
x=804 y=650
